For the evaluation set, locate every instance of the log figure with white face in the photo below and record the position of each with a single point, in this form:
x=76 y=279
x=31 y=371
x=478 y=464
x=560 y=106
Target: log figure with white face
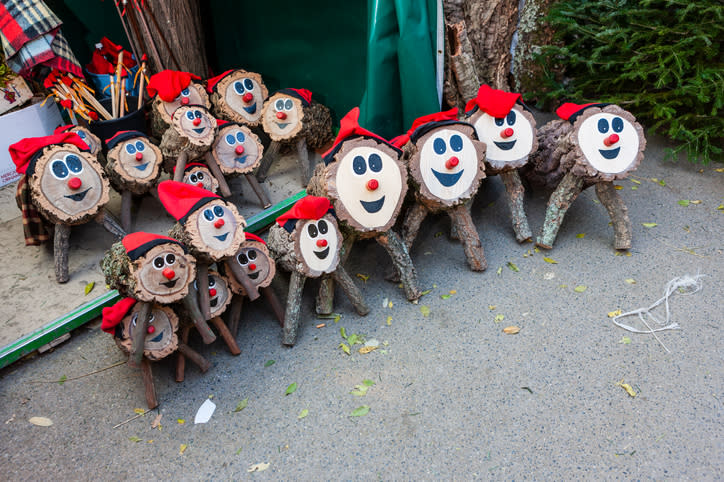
x=238 y=96
x=171 y=89
x=193 y=130
x=134 y=163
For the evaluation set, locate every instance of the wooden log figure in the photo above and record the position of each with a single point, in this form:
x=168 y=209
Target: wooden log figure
x=67 y=186
x=190 y=136
x=365 y=179
x=237 y=96
x=591 y=144
x=198 y=174
x=94 y=143
x=171 y=89
x=133 y=166
x=307 y=242
x=508 y=130
x=291 y=117
x=446 y=165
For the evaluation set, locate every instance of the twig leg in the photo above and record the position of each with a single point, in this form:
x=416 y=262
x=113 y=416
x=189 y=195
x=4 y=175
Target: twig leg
x=235 y=314
x=202 y=281
x=276 y=305
x=303 y=159
x=138 y=336
x=258 y=190
x=515 y=194
x=148 y=385
x=181 y=358
x=618 y=212
x=110 y=224
x=61 y=246
x=195 y=357
x=294 y=306
x=325 y=296
x=178 y=173
x=270 y=156
x=463 y=223
x=191 y=304
x=226 y=335
x=251 y=289
x=561 y=199
x=216 y=171
x=397 y=250
x=453 y=229
x=126 y=201
x=413 y=220
x=353 y=293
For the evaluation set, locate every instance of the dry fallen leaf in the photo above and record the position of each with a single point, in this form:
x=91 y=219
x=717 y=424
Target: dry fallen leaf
x=499 y=317
x=41 y=421
x=612 y=314
x=629 y=389
x=89 y=287
x=182 y=448
x=649 y=225
x=550 y=260
x=630 y=281
x=389 y=321
x=366 y=349
x=511 y=330
x=321 y=325
x=580 y=288
x=258 y=467
x=425 y=310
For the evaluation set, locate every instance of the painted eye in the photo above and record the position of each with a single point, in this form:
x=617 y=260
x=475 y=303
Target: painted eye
x=209 y=214
x=200 y=176
x=59 y=169
x=242 y=259
x=140 y=146
x=499 y=121
x=186 y=92
x=279 y=105
x=456 y=143
x=190 y=115
x=323 y=228
x=158 y=262
x=602 y=126
x=239 y=87
x=240 y=137
x=219 y=211
x=375 y=162
x=288 y=104
x=439 y=146
x=212 y=282
x=359 y=165
x=131 y=149
x=81 y=134
x=73 y=163
x=197 y=114
x=193 y=178
x=230 y=139
x=617 y=124
x=251 y=254
x=510 y=118
x=151 y=319
x=170 y=259
x=248 y=84
x=312 y=230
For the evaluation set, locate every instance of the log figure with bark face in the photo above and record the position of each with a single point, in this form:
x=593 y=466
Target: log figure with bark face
x=237 y=96
x=306 y=241
x=508 y=130
x=446 y=165
x=192 y=131
x=365 y=179
x=198 y=174
x=236 y=149
x=590 y=145
x=94 y=143
x=170 y=90
x=134 y=163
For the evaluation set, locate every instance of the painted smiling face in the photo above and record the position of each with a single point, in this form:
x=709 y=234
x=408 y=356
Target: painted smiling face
x=242 y=96
x=195 y=123
x=317 y=243
x=68 y=184
x=137 y=159
x=256 y=261
x=216 y=229
x=282 y=116
x=161 y=339
x=163 y=274
x=219 y=293
x=194 y=94
x=236 y=149
x=448 y=164
x=200 y=175
x=509 y=140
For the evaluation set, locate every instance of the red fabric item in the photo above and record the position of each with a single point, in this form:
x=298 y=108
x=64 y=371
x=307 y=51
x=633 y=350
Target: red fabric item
x=304 y=94
x=50 y=79
x=254 y=237
x=138 y=239
x=445 y=115
x=61 y=129
x=66 y=103
x=111 y=50
x=191 y=165
x=112 y=315
x=348 y=126
x=99 y=64
x=309 y=207
x=211 y=83
x=494 y=102
x=168 y=84
x=180 y=198
x=569 y=108
x=221 y=122
x=23 y=151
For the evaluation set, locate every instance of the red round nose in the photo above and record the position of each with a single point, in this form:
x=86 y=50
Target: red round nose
x=197 y=121
x=373 y=184
x=252 y=267
x=321 y=243
x=185 y=101
x=452 y=162
x=75 y=183
x=219 y=223
x=505 y=133
x=281 y=115
x=212 y=291
x=239 y=150
x=611 y=140
x=168 y=273
x=247 y=97
x=139 y=156
x=151 y=329
x=199 y=184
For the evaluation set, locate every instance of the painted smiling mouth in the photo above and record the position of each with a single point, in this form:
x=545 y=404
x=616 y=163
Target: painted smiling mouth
x=610 y=153
x=253 y=275
x=222 y=237
x=505 y=146
x=373 y=206
x=213 y=302
x=199 y=130
x=241 y=160
x=78 y=196
x=142 y=167
x=251 y=109
x=282 y=126
x=170 y=284
x=447 y=180
x=157 y=338
x=322 y=254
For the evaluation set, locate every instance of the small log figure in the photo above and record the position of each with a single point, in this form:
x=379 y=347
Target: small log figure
x=592 y=144
x=306 y=241
x=237 y=96
x=94 y=143
x=290 y=116
x=190 y=136
x=506 y=127
x=133 y=166
x=67 y=186
x=171 y=89
x=198 y=174
x=366 y=181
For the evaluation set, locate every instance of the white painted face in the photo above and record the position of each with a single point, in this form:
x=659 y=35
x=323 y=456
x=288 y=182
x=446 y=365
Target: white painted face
x=217 y=225
x=137 y=159
x=369 y=184
x=609 y=142
x=448 y=163
x=508 y=139
x=318 y=244
x=245 y=96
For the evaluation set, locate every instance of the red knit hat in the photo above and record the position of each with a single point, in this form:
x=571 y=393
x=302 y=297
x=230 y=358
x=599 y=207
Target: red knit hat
x=121 y=136
x=423 y=124
x=26 y=151
x=302 y=94
x=211 y=83
x=494 y=102
x=254 y=237
x=570 y=111
x=309 y=207
x=168 y=84
x=112 y=315
x=181 y=199
x=349 y=127
x=139 y=243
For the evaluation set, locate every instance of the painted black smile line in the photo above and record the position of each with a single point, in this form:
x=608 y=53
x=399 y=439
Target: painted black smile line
x=282 y=126
x=251 y=109
x=322 y=254
x=78 y=196
x=213 y=302
x=373 y=206
x=157 y=338
x=505 y=146
x=199 y=130
x=222 y=237
x=170 y=284
x=241 y=160
x=610 y=153
x=254 y=275
x=142 y=167
x=447 y=180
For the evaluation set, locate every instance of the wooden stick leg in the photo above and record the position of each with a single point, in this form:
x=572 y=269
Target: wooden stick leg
x=226 y=335
x=251 y=289
x=61 y=246
x=178 y=173
x=294 y=307
x=353 y=293
x=413 y=220
x=235 y=314
x=276 y=305
x=561 y=199
x=216 y=171
x=463 y=223
x=324 y=302
x=397 y=250
x=303 y=159
x=453 y=229
x=195 y=357
x=270 y=156
x=181 y=358
x=110 y=223
x=515 y=194
x=256 y=187
x=138 y=335
x=192 y=306
x=148 y=385
x=618 y=212
x=126 y=201
x=202 y=281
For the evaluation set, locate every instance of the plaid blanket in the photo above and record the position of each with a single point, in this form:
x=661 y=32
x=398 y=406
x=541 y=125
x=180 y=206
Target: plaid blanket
x=35 y=228
x=30 y=35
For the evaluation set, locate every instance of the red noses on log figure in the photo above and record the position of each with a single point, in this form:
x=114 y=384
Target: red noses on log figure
x=237 y=96
x=171 y=89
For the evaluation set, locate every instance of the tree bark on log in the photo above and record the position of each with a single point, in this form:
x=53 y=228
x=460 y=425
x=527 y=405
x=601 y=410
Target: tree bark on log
x=202 y=281
x=237 y=302
x=139 y=335
x=515 y=192
x=256 y=187
x=468 y=237
x=396 y=248
x=271 y=155
x=324 y=302
x=416 y=214
x=192 y=306
x=149 y=388
x=226 y=335
x=294 y=307
x=561 y=199
x=533 y=34
x=110 y=224
x=462 y=62
x=353 y=293
x=618 y=212
x=216 y=171
x=61 y=247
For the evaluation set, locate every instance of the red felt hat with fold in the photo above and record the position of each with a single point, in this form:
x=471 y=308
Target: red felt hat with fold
x=434 y=119
x=211 y=83
x=25 y=152
x=302 y=94
x=349 y=127
x=494 y=102
x=254 y=237
x=139 y=243
x=168 y=84
x=113 y=315
x=122 y=136
x=570 y=111
x=181 y=199
x=309 y=207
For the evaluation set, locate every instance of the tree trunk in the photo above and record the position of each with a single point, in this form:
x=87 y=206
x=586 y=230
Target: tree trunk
x=533 y=33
